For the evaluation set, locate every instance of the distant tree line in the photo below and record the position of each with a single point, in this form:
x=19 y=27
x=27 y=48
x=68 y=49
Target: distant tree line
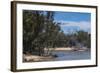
x=41 y=31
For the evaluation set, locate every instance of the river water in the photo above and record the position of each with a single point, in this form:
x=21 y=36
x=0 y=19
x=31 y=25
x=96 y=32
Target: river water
x=72 y=55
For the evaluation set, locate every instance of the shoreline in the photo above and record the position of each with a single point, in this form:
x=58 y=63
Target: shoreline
x=68 y=49
x=36 y=58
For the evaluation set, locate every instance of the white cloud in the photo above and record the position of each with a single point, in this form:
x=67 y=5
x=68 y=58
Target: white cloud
x=82 y=25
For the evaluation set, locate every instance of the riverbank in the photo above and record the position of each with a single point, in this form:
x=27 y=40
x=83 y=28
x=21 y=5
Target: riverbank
x=35 y=58
x=64 y=49
x=68 y=49
x=56 y=53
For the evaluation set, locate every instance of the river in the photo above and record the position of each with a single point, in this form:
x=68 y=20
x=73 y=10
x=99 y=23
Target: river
x=72 y=55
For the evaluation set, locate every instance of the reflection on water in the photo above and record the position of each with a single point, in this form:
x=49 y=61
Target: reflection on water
x=72 y=55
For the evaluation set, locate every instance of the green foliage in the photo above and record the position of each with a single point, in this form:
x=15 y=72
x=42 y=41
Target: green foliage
x=39 y=30
x=84 y=38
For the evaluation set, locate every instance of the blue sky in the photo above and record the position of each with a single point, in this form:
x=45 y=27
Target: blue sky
x=73 y=21
x=72 y=16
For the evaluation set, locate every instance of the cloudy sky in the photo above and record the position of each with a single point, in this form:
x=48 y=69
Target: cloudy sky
x=73 y=21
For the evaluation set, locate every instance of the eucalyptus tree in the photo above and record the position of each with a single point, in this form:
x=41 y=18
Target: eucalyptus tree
x=39 y=31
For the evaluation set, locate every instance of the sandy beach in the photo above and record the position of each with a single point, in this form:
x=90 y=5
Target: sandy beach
x=35 y=58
